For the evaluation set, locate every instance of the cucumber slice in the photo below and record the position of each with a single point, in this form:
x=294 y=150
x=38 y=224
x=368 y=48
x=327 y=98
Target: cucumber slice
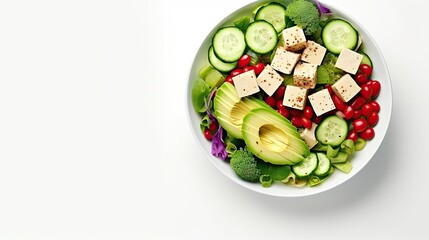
x=338 y=34
x=323 y=166
x=218 y=64
x=365 y=59
x=273 y=13
x=332 y=131
x=261 y=37
x=228 y=44
x=306 y=167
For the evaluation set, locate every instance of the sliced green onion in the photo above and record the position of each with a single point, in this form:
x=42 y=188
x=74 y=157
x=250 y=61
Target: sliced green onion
x=348 y=146
x=266 y=180
x=360 y=144
x=332 y=152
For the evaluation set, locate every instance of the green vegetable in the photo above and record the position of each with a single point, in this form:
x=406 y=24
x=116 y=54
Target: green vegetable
x=200 y=91
x=242 y=23
x=332 y=152
x=348 y=146
x=345 y=167
x=340 y=158
x=266 y=180
x=205 y=122
x=360 y=144
x=230 y=148
x=279 y=172
x=204 y=71
x=304 y=14
x=320 y=148
x=244 y=165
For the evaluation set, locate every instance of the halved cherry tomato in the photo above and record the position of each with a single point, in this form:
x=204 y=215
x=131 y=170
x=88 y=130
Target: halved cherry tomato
x=243 y=61
x=348 y=112
x=236 y=72
x=339 y=104
x=359 y=124
x=306 y=122
x=259 y=67
x=367 y=134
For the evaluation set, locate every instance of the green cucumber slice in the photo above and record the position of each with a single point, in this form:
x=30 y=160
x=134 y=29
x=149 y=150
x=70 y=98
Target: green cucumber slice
x=332 y=131
x=261 y=37
x=323 y=166
x=365 y=59
x=338 y=34
x=306 y=167
x=273 y=13
x=228 y=44
x=218 y=64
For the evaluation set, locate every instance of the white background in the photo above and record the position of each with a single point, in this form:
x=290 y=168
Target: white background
x=95 y=142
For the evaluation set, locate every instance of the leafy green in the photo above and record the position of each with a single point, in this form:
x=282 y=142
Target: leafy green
x=200 y=91
x=278 y=172
x=242 y=23
x=348 y=146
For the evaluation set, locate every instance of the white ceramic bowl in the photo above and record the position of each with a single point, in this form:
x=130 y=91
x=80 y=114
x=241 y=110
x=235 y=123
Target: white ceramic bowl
x=358 y=160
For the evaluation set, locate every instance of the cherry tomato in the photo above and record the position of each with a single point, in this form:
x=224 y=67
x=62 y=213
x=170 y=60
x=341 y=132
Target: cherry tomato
x=295 y=112
x=208 y=134
x=280 y=92
x=339 y=104
x=284 y=112
x=248 y=68
x=367 y=109
x=366 y=91
x=279 y=104
x=270 y=101
x=228 y=79
x=352 y=135
x=366 y=69
x=259 y=67
x=306 y=122
x=372 y=119
x=243 y=61
x=376 y=106
x=358 y=103
x=357 y=114
x=376 y=86
x=367 y=134
x=236 y=72
x=308 y=112
x=213 y=127
x=359 y=124
x=348 y=112
x=329 y=87
x=361 y=78
x=317 y=120
x=296 y=121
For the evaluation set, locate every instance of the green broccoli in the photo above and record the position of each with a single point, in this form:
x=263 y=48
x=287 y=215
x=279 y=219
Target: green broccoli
x=244 y=165
x=304 y=14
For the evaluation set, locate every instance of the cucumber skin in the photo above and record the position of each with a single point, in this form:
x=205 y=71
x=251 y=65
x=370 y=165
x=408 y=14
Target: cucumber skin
x=251 y=47
x=319 y=128
x=220 y=57
x=327 y=45
x=296 y=166
x=261 y=9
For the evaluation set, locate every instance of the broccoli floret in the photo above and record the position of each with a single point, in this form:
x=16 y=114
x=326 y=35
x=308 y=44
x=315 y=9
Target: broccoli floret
x=304 y=14
x=244 y=165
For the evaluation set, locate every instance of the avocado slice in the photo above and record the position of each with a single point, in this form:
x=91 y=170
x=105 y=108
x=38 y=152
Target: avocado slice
x=272 y=138
x=230 y=110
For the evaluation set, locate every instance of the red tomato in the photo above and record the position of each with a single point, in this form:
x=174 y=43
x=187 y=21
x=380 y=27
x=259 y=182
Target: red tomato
x=339 y=104
x=367 y=134
x=228 y=79
x=352 y=135
x=213 y=127
x=295 y=112
x=306 y=122
x=248 y=68
x=259 y=67
x=270 y=101
x=358 y=103
x=296 y=121
x=376 y=106
x=376 y=86
x=284 y=112
x=359 y=124
x=366 y=91
x=280 y=92
x=366 y=69
x=308 y=112
x=372 y=119
x=329 y=87
x=367 y=109
x=279 y=104
x=317 y=120
x=236 y=72
x=348 y=112
x=208 y=134
x=357 y=114
x=243 y=61
x=361 y=78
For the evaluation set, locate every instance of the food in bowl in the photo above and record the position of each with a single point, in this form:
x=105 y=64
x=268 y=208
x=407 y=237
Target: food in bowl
x=286 y=95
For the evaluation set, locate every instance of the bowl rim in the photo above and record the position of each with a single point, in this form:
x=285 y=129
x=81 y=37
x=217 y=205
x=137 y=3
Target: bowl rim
x=301 y=191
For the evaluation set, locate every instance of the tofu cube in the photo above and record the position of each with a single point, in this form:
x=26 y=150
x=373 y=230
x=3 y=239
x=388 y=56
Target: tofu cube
x=346 y=88
x=246 y=84
x=305 y=75
x=285 y=61
x=309 y=136
x=294 y=39
x=349 y=61
x=269 y=80
x=295 y=97
x=321 y=102
x=313 y=53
